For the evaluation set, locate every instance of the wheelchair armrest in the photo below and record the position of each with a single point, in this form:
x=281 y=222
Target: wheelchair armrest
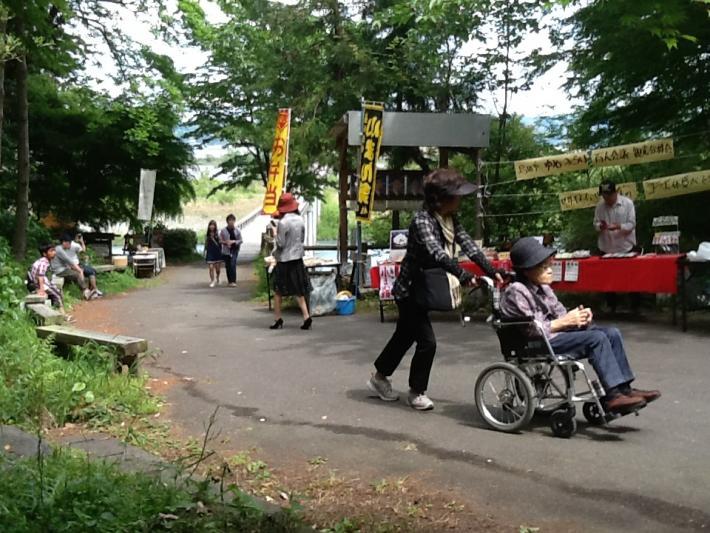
x=517 y=320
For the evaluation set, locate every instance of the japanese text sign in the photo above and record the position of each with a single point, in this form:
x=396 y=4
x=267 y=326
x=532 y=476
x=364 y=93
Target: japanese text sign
x=278 y=164
x=633 y=154
x=370 y=151
x=590 y=197
x=687 y=183
x=551 y=165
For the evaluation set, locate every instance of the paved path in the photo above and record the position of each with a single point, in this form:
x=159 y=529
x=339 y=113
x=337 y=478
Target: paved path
x=298 y=394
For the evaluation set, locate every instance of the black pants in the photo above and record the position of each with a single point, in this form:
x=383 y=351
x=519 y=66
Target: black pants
x=230 y=262
x=413 y=326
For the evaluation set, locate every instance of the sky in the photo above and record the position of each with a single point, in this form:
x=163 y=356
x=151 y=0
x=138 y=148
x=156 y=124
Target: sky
x=545 y=97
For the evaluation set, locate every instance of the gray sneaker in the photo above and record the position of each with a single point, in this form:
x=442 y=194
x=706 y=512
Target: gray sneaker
x=383 y=389
x=420 y=402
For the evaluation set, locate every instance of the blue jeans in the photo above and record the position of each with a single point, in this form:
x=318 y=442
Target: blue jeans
x=604 y=348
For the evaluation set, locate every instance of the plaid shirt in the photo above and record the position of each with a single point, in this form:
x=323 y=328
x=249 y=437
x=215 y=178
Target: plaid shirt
x=425 y=250
x=524 y=299
x=39 y=270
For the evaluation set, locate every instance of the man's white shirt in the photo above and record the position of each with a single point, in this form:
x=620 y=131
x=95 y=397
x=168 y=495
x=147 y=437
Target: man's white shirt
x=622 y=213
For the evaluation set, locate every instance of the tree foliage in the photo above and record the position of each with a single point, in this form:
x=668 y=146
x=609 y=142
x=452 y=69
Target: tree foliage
x=85 y=148
x=642 y=70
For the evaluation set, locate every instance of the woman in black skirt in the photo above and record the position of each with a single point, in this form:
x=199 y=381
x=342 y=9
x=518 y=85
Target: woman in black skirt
x=290 y=276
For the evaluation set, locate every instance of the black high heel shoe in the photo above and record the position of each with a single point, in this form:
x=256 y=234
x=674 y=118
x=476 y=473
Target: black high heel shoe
x=279 y=324
x=307 y=323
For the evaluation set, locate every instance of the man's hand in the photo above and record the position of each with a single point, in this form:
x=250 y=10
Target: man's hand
x=603 y=225
x=499 y=278
x=472 y=282
x=613 y=227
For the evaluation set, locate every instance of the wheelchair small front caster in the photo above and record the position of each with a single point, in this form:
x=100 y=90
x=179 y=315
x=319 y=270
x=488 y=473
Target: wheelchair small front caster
x=592 y=413
x=563 y=423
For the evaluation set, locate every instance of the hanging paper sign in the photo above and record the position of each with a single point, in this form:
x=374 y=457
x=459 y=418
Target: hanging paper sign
x=551 y=165
x=571 y=271
x=278 y=164
x=370 y=151
x=585 y=198
x=146 y=192
x=688 y=183
x=633 y=154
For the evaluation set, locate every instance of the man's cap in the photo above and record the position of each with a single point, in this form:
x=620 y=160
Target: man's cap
x=607 y=187
x=528 y=253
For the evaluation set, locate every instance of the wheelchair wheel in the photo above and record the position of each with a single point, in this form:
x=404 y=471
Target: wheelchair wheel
x=592 y=413
x=563 y=423
x=551 y=383
x=505 y=397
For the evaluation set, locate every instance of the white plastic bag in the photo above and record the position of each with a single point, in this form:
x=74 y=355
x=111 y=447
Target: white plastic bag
x=323 y=295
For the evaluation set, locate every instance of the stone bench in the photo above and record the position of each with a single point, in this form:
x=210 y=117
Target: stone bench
x=128 y=348
x=100 y=269
x=44 y=315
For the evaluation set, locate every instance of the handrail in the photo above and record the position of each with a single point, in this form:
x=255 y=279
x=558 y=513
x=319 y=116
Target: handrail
x=248 y=219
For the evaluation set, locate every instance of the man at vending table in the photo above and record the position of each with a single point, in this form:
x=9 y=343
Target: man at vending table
x=615 y=221
x=570 y=332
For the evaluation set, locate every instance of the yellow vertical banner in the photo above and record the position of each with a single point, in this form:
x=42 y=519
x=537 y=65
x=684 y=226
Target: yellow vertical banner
x=278 y=164
x=370 y=151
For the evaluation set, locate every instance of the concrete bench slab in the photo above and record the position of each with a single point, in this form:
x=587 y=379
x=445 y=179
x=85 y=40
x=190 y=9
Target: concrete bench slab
x=128 y=347
x=104 y=268
x=45 y=315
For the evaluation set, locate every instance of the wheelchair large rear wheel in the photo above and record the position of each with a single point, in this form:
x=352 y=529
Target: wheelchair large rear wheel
x=505 y=398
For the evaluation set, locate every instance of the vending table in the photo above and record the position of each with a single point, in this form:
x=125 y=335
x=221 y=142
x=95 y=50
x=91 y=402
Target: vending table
x=654 y=274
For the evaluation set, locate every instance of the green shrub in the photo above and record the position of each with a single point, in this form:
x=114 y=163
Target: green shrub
x=67 y=492
x=179 y=243
x=260 y=291
x=37 y=387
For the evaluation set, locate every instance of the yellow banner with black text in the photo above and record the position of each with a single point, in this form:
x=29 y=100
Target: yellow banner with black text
x=627 y=154
x=585 y=198
x=278 y=164
x=370 y=151
x=688 y=183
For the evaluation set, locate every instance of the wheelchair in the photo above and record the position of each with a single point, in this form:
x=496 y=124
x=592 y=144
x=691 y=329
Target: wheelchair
x=533 y=378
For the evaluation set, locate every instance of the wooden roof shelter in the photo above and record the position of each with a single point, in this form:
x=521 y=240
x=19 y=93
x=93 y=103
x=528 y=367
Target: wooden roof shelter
x=402 y=189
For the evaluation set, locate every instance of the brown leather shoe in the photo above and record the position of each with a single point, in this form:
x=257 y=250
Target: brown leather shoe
x=622 y=402
x=648 y=395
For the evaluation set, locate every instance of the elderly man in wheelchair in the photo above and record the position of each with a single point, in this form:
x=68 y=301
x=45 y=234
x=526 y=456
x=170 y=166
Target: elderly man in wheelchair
x=542 y=343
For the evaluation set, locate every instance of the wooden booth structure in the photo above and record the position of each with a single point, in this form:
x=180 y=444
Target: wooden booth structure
x=402 y=190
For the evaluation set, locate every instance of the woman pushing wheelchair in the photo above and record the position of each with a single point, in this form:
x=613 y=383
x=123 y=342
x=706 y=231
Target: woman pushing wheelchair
x=571 y=332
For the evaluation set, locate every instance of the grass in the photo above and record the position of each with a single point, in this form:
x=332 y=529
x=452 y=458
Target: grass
x=39 y=388
x=67 y=492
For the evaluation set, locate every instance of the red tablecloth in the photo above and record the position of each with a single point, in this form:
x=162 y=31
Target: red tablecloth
x=467 y=265
x=652 y=274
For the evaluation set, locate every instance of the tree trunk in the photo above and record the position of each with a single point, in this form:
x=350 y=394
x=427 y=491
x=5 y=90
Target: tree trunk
x=22 y=210
x=3 y=29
